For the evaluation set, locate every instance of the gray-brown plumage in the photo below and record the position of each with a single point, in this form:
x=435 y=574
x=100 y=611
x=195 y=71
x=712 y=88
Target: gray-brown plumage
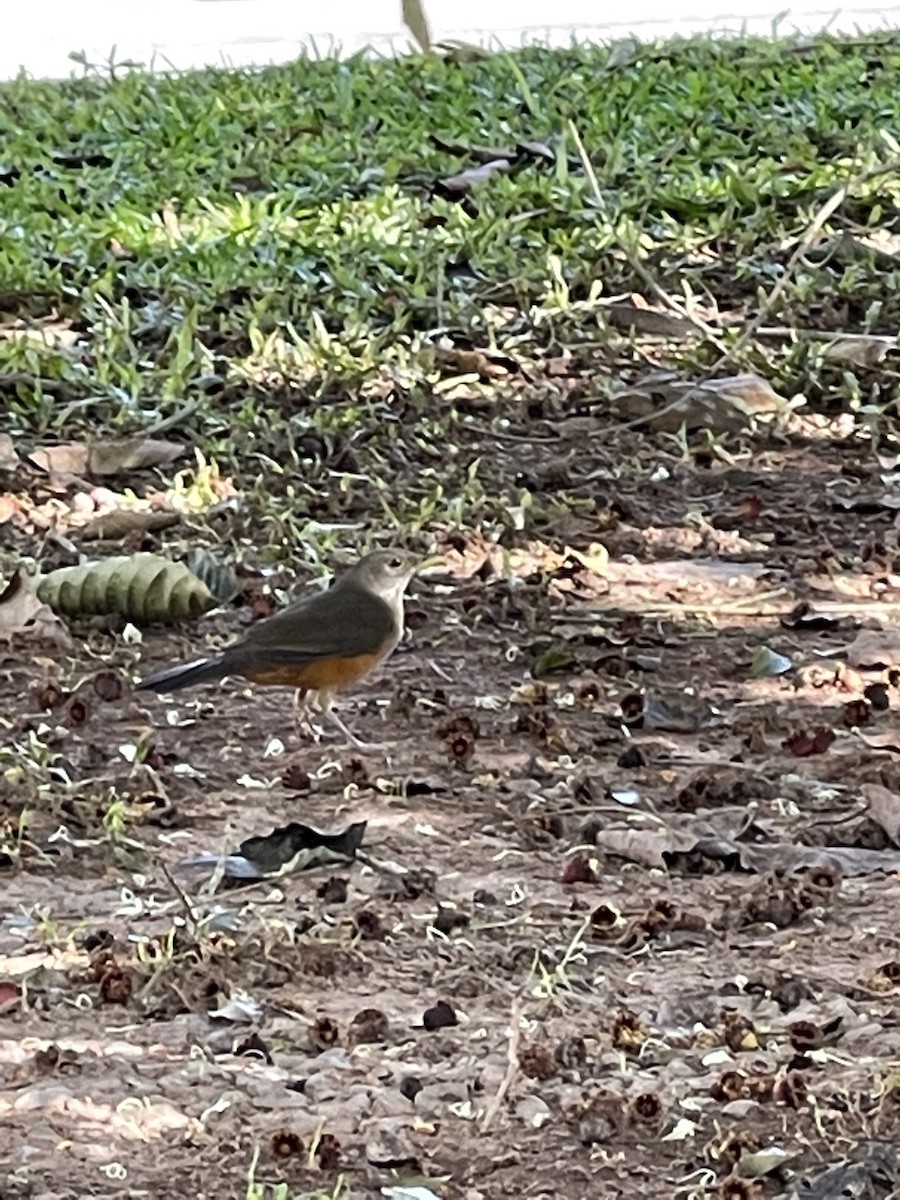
x=320 y=643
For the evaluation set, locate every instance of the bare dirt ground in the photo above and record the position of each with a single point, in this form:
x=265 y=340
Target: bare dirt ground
x=627 y=929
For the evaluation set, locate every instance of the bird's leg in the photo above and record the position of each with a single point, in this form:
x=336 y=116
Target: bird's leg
x=327 y=702
x=303 y=715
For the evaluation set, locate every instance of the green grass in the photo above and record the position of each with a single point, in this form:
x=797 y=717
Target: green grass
x=262 y=255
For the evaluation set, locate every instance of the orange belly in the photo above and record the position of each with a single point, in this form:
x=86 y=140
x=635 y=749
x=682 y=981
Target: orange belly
x=324 y=674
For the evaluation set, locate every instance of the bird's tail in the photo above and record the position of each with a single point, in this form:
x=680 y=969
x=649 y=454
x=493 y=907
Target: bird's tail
x=204 y=670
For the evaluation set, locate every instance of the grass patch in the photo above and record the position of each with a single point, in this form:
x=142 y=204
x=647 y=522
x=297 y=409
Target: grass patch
x=266 y=260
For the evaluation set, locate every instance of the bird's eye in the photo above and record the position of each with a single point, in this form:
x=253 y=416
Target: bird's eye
x=396 y=563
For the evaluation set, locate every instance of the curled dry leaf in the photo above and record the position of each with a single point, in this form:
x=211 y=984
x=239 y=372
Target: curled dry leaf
x=665 y=403
x=141 y=588
x=286 y=850
x=595 y=558
x=23 y=612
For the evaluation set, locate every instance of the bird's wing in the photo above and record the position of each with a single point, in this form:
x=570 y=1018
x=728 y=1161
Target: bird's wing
x=340 y=623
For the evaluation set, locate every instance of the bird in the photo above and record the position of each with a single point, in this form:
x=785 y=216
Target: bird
x=320 y=643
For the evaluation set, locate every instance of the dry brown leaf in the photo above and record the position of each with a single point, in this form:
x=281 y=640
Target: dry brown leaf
x=863 y=351
x=887 y=739
x=69 y=458
x=666 y=403
x=651 y=322
x=21 y=612
x=884 y=809
x=475 y=362
x=875 y=648
x=9 y=460
x=645 y=844
x=662 y=844
x=131 y=454
x=105 y=458
x=126 y=522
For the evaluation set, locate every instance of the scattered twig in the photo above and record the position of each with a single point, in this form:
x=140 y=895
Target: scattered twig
x=190 y=912
x=512 y=1065
x=726 y=354
x=166 y=423
x=633 y=261
x=818 y=335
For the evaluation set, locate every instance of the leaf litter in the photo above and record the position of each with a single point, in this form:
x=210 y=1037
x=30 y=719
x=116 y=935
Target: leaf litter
x=626 y=919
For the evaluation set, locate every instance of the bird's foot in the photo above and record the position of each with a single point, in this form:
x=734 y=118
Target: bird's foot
x=352 y=740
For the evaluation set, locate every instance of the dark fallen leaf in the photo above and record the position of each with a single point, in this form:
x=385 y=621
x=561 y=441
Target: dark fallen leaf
x=440 y=1016
x=878 y=696
x=805 y=743
x=75 y=159
x=804 y=616
x=298 y=847
x=484 y=154
x=284 y=851
x=878 y=1173
x=455 y=186
x=429 y=786
x=867 y=505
